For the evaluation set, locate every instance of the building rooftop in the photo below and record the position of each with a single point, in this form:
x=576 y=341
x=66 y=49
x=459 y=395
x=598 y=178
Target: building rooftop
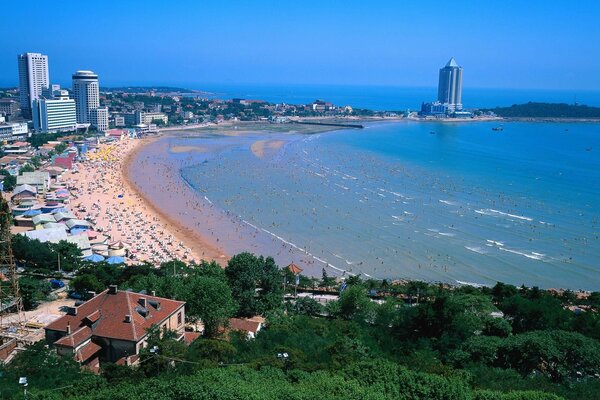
x=452 y=63
x=117 y=314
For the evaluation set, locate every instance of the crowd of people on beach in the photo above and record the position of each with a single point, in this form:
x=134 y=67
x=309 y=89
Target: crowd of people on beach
x=102 y=197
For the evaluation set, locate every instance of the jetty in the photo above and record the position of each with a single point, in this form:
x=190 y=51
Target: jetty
x=356 y=126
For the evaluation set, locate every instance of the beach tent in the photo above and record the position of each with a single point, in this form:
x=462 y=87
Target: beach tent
x=115 y=260
x=59 y=210
x=94 y=258
x=31 y=213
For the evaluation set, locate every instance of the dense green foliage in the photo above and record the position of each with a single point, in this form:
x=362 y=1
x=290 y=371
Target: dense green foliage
x=44 y=257
x=547 y=110
x=418 y=341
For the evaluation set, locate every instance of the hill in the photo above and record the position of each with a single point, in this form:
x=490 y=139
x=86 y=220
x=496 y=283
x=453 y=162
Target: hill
x=547 y=110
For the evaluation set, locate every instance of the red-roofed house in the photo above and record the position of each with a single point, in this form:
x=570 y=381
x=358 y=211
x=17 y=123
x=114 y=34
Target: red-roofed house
x=113 y=326
x=249 y=326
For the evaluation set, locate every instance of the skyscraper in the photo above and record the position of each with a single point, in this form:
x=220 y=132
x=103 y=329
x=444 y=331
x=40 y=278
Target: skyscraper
x=86 y=94
x=450 y=86
x=33 y=79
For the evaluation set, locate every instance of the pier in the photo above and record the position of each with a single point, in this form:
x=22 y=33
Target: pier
x=356 y=126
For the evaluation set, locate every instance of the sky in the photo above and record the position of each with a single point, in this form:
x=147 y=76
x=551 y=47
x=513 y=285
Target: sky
x=549 y=44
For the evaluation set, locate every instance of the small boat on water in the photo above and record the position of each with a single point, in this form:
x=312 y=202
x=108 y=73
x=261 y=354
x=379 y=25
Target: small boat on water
x=431 y=132
x=497 y=128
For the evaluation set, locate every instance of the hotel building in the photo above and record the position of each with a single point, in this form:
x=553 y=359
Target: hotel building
x=54 y=115
x=33 y=79
x=450 y=86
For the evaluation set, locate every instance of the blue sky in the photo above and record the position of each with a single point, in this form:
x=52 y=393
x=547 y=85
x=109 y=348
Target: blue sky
x=501 y=44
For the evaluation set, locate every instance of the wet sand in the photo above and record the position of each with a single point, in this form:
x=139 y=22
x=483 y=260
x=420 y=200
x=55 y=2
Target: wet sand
x=202 y=247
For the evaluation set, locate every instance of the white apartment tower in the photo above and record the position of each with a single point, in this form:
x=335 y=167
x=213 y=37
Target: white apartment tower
x=86 y=94
x=33 y=79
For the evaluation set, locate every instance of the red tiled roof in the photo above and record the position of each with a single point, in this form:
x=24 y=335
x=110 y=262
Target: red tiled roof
x=86 y=352
x=93 y=317
x=246 y=325
x=189 y=337
x=112 y=309
x=76 y=338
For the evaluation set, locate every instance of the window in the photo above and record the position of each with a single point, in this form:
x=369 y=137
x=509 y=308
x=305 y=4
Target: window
x=179 y=318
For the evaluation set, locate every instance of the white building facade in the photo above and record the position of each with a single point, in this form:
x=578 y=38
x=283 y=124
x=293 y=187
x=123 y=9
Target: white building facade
x=33 y=79
x=99 y=118
x=86 y=94
x=55 y=115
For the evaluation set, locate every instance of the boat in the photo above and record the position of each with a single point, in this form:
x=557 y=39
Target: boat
x=431 y=132
x=497 y=128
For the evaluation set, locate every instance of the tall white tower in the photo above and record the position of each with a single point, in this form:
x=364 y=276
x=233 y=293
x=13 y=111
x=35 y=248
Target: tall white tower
x=33 y=79
x=450 y=86
x=86 y=94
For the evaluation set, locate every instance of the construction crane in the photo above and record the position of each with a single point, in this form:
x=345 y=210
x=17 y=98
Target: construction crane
x=10 y=297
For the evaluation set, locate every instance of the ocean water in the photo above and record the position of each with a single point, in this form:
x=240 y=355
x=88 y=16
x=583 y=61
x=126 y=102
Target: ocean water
x=452 y=202
x=393 y=98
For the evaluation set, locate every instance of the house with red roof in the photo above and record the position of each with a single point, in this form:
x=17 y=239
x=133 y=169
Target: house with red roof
x=113 y=326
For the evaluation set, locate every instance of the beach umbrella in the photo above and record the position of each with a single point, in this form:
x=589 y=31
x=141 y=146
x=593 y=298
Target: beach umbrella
x=115 y=260
x=94 y=258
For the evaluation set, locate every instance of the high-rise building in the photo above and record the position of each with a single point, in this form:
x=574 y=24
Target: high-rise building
x=86 y=94
x=54 y=115
x=99 y=118
x=450 y=86
x=53 y=90
x=33 y=79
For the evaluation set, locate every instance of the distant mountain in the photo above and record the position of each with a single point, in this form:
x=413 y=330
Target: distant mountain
x=547 y=110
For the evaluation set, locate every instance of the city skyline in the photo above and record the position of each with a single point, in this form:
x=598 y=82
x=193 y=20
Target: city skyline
x=501 y=45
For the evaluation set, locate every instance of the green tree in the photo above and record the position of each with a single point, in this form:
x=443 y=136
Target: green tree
x=33 y=291
x=242 y=272
x=60 y=148
x=209 y=300
x=86 y=283
x=26 y=168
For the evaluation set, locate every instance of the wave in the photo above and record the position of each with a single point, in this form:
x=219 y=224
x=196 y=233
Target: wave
x=495 y=213
x=532 y=254
x=476 y=249
x=450 y=203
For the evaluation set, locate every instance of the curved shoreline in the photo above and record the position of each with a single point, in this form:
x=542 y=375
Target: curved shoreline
x=201 y=247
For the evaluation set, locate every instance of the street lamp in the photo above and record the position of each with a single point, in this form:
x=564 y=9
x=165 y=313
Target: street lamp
x=154 y=352
x=23 y=382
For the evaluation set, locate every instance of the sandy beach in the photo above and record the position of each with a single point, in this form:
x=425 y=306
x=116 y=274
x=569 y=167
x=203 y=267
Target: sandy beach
x=103 y=192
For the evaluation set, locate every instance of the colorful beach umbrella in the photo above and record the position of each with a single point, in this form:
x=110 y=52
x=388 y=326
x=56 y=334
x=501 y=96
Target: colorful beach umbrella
x=94 y=258
x=115 y=260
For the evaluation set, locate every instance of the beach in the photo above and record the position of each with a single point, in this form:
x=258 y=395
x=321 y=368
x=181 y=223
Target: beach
x=103 y=192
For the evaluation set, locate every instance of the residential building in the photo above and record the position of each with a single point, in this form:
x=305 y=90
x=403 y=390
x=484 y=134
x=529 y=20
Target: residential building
x=435 y=109
x=13 y=131
x=99 y=119
x=148 y=118
x=86 y=94
x=9 y=107
x=55 y=115
x=450 y=86
x=119 y=121
x=33 y=78
x=113 y=326
x=38 y=179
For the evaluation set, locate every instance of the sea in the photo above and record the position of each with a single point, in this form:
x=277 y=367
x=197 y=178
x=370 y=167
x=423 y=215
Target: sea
x=392 y=98
x=460 y=203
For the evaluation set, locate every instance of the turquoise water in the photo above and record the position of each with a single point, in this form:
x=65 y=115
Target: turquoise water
x=432 y=201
